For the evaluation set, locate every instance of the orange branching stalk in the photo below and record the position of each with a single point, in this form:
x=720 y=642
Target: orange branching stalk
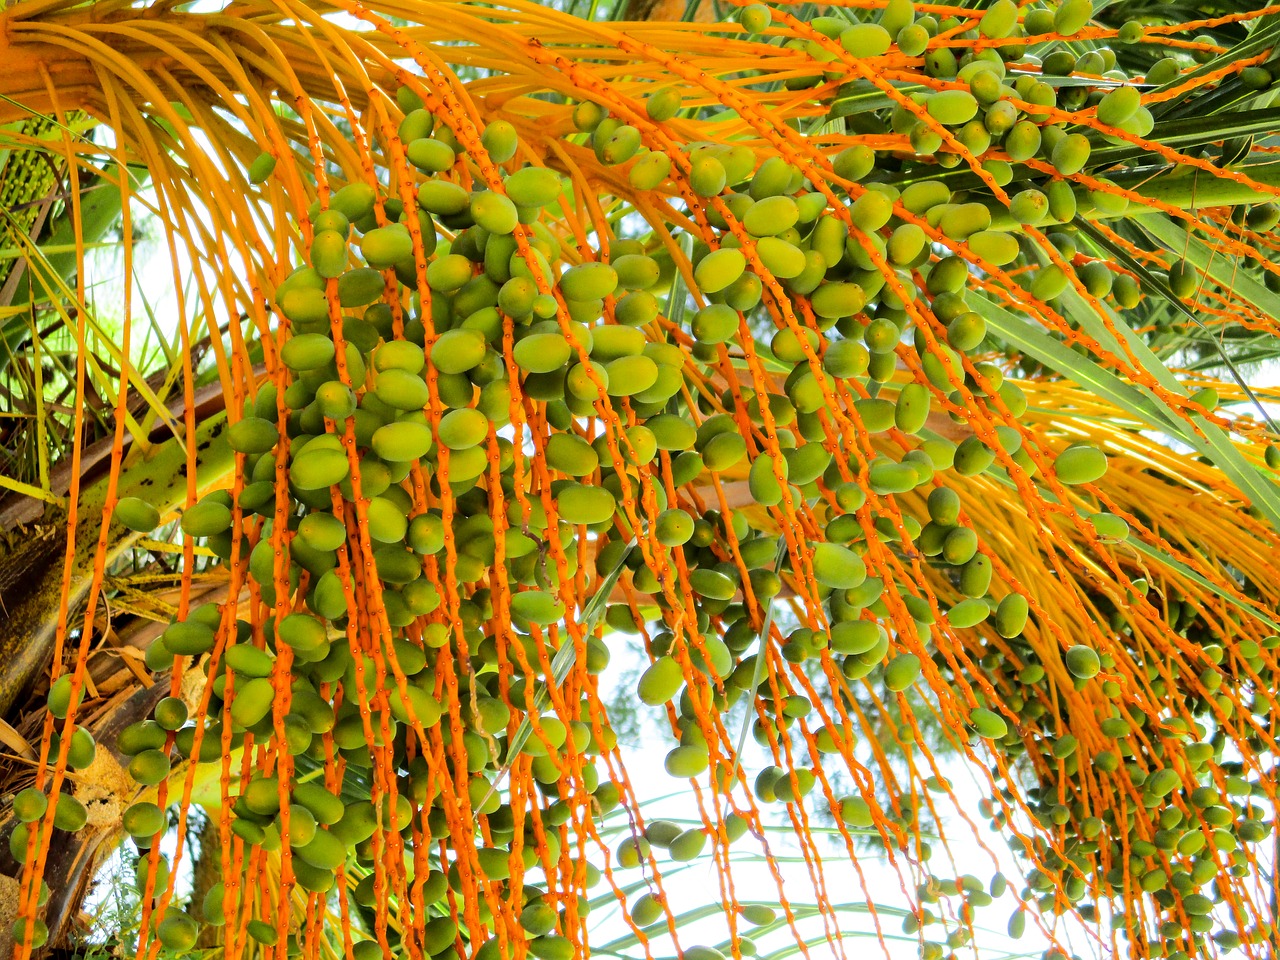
x=814 y=361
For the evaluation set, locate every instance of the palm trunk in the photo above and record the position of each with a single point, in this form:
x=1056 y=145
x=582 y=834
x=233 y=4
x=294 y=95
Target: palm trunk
x=30 y=582
x=31 y=558
x=73 y=857
x=206 y=871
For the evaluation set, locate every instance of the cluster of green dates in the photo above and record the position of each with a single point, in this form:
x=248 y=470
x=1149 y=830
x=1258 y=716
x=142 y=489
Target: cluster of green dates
x=1002 y=110
x=31 y=805
x=331 y=829
x=1200 y=810
x=1170 y=849
x=596 y=343
x=1169 y=846
x=1186 y=824
x=590 y=338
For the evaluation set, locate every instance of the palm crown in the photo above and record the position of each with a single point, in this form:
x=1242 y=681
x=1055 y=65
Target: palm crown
x=882 y=383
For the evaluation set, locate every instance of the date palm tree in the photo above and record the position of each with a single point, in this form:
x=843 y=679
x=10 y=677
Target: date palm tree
x=887 y=388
